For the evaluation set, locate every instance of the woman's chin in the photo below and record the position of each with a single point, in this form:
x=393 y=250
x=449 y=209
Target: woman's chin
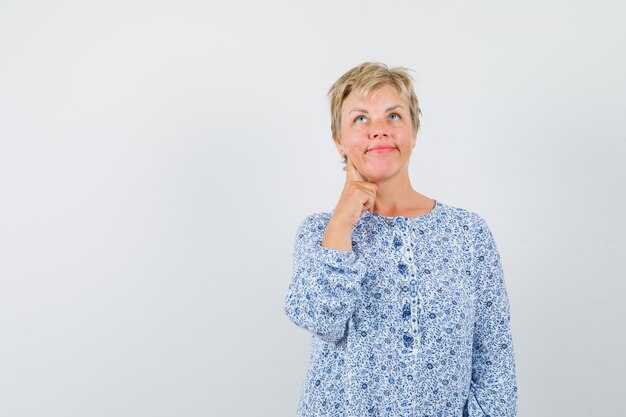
x=379 y=175
x=382 y=172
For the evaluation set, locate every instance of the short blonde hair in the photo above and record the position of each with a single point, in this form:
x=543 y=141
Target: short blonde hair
x=365 y=79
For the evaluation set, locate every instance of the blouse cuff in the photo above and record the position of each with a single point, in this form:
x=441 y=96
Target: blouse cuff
x=343 y=261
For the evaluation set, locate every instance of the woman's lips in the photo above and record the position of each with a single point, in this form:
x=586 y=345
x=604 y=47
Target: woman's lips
x=381 y=150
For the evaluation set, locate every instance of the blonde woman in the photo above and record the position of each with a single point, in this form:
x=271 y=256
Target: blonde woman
x=403 y=294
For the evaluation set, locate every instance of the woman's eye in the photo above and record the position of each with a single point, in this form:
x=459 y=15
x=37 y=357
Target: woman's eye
x=359 y=118
x=397 y=116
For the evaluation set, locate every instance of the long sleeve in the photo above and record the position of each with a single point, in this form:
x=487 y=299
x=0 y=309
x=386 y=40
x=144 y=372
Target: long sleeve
x=325 y=283
x=493 y=390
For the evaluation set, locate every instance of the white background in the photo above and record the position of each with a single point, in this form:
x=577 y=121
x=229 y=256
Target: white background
x=156 y=158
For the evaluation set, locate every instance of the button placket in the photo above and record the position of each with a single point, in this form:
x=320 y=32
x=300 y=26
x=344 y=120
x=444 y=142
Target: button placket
x=410 y=302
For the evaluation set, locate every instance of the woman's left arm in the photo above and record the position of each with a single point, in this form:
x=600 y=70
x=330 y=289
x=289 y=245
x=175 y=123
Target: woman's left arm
x=493 y=390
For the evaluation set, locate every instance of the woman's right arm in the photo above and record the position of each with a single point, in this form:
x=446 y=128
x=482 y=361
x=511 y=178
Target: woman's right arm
x=326 y=281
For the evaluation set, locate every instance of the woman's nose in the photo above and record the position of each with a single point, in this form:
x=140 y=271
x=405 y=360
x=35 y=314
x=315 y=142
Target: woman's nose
x=378 y=128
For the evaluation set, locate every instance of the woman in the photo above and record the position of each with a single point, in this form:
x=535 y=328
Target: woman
x=404 y=295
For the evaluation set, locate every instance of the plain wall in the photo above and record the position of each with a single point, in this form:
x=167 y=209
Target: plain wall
x=156 y=158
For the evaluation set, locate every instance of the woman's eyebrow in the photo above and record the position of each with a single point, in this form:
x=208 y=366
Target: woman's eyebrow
x=388 y=109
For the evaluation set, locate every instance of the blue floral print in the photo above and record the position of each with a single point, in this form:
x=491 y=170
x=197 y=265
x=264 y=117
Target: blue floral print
x=414 y=321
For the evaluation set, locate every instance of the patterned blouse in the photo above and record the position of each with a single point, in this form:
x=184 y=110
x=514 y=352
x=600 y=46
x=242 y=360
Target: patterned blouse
x=414 y=321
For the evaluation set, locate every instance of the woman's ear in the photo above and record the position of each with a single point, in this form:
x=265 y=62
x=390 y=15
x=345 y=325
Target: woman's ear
x=339 y=146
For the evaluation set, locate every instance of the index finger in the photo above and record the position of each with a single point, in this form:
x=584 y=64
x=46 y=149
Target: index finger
x=351 y=172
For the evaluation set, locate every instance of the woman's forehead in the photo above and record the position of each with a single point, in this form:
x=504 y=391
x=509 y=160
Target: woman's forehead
x=361 y=97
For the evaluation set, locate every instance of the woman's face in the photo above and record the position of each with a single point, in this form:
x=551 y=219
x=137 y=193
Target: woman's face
x=383 y=120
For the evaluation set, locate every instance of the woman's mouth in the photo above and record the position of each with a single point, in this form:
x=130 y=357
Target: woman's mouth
x=381 y=150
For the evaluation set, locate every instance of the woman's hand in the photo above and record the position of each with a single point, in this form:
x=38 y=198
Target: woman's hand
x=358 y=195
